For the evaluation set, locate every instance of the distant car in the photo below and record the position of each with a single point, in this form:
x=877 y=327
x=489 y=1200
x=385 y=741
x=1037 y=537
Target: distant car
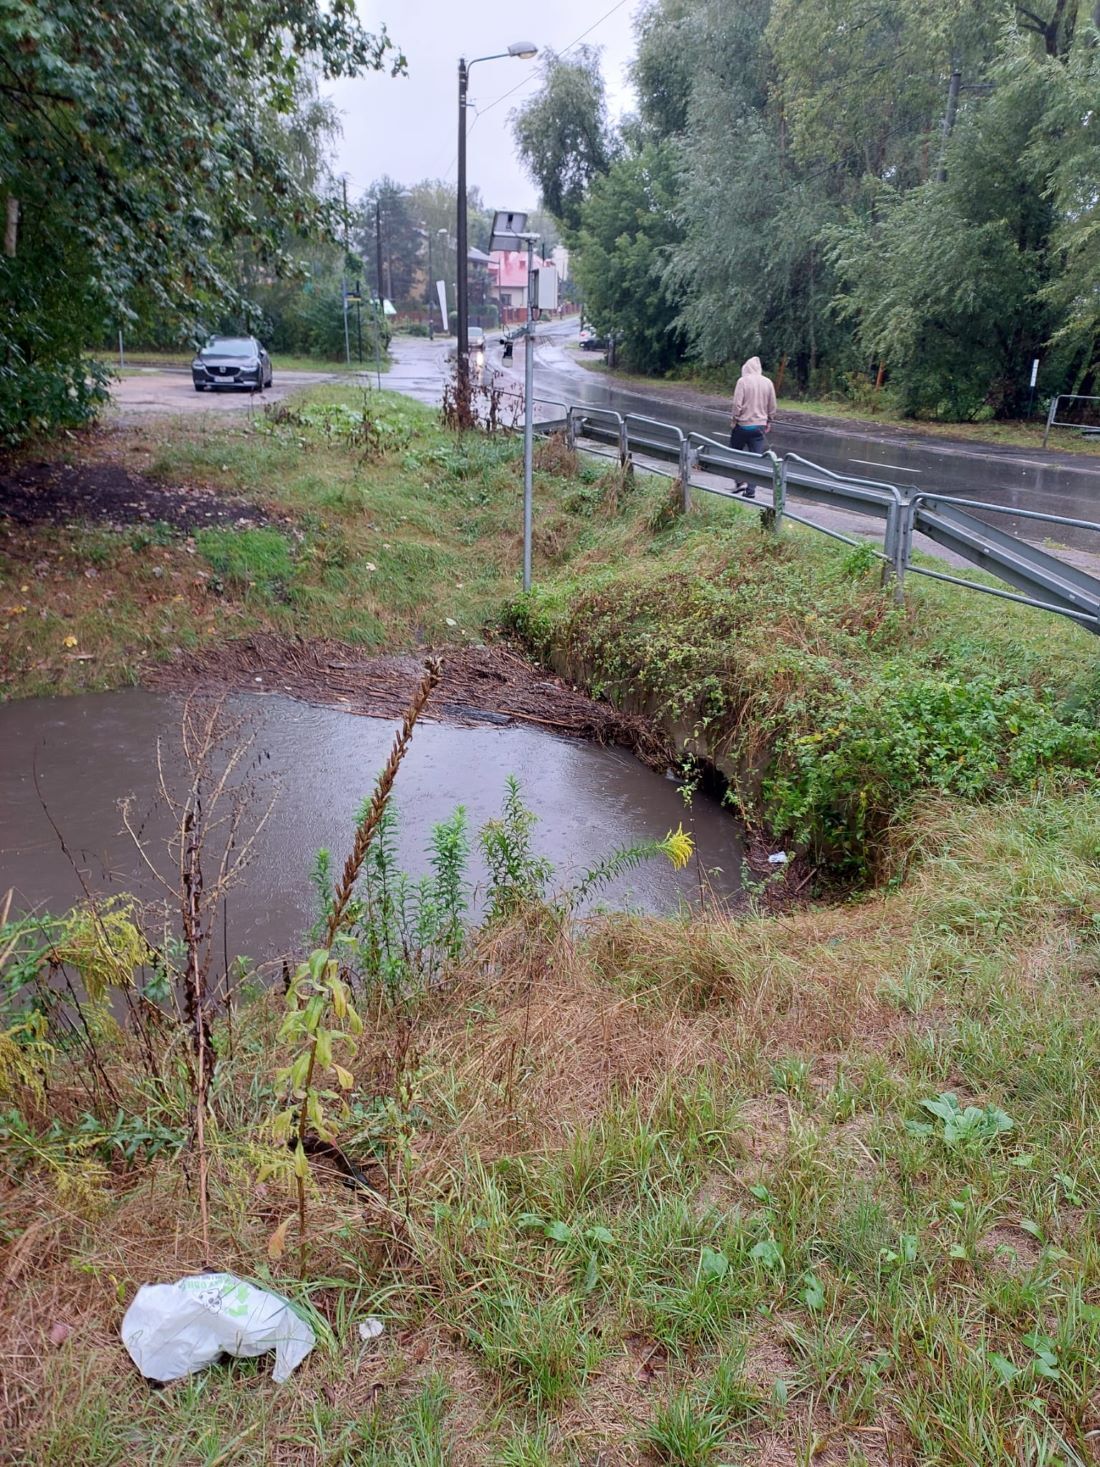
x=475 y=337
x=592 y=341
x=232 y=361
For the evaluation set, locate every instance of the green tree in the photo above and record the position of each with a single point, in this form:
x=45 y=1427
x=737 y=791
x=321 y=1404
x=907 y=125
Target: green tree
x=750 y=274
x=664 y=65
x=138 y=159
x=562 y=133
x=959 y=283
x=1064 y=155
x=627 y=224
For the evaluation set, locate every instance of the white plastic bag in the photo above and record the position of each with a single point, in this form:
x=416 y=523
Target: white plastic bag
x=175 y=1329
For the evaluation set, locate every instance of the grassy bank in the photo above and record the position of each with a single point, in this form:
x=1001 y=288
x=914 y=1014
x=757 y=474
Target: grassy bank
x=829 y=708
x=815 y=1189
x=384 y=531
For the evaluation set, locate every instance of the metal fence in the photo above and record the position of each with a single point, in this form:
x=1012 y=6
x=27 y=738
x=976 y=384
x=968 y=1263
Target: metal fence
x=1086 y=419
x=1038 y=577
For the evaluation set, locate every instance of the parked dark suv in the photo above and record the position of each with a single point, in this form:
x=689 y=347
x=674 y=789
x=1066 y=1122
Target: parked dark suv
x=232 y=361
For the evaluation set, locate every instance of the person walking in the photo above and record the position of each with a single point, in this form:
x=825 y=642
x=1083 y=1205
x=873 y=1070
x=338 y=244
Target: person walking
x=752 y=413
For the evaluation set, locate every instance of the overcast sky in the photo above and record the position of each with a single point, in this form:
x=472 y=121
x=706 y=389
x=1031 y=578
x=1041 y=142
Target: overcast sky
x=407 y=126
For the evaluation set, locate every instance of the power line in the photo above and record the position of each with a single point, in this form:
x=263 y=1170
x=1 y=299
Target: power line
x=526 y=81
x=530 y=75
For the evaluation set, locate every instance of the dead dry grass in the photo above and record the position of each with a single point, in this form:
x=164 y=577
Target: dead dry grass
x=682 y=1086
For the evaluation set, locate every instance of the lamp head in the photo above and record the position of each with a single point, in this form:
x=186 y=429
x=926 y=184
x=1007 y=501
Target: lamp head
x=524 y=50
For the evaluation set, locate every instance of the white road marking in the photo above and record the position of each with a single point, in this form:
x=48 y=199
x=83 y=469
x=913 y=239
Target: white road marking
x=875 y=465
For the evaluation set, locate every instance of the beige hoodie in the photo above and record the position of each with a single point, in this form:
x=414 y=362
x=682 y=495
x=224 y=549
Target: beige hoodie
x=753 y=398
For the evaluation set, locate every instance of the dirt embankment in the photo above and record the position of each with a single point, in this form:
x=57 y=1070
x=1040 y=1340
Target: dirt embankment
x=110 y=496
x=481 y=684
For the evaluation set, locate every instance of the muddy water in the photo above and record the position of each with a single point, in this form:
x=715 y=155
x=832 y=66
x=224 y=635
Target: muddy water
x=92 y=751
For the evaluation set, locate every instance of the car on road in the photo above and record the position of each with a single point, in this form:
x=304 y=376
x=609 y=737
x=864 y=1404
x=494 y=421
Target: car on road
x=592 y=341
x=475 y=337
x=231 y=361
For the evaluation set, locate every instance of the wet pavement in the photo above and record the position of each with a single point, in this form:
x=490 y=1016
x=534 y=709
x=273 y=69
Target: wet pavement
x=150 y=391
x=90 y=752
x=1053 y=482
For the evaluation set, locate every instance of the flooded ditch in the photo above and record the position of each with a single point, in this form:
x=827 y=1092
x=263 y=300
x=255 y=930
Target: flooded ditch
x=92 y=751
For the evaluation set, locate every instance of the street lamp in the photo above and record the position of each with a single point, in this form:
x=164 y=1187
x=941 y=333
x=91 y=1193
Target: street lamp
x=404 y=194
x=524 y=51
x=381 y=321
x=425 y=233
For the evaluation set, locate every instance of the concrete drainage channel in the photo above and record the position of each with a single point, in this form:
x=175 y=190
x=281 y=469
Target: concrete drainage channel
x=959 y=526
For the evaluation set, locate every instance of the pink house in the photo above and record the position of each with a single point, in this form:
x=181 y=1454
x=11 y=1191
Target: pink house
x=508 y=273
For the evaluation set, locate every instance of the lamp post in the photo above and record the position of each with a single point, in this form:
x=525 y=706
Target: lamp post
x=524 y=50
x=426 y=233
x=404 y=194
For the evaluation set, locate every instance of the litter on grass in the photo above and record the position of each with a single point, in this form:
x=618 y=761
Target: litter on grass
x=172 y=1330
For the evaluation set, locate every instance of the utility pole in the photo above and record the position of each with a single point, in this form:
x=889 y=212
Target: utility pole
x=462 y=344
x=954 y=87
x=528 y=414
x=431 y=274
x=524 y=51
x=344 y=277
x=359 y=317
x=949 y=121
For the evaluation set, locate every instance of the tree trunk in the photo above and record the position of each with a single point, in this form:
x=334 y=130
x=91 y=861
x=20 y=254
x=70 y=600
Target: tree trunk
x=11 y=226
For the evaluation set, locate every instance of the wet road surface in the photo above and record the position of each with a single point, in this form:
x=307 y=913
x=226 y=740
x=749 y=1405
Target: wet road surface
x=1056 y=483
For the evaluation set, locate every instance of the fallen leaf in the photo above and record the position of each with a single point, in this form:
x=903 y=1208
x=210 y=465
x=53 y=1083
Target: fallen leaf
x=276 y=1244
x=69 y=642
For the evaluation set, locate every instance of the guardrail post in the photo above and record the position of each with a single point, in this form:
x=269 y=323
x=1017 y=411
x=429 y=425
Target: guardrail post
x=624 y=444
x=683 y=476
x=570 y=428
x=899 y=521
x=890 y=544
x=779 y=491
x=1052 y=413
x=905 y=539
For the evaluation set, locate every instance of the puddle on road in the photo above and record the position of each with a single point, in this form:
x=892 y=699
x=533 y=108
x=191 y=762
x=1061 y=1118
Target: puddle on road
x=92 y=751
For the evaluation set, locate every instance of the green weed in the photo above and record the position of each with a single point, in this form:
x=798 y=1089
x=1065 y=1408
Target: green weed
x=249 y=560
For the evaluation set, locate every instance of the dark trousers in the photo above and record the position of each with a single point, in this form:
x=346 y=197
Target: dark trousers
x=749 y=439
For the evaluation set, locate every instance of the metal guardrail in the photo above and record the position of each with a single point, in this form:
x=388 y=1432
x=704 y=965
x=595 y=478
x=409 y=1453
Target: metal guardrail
x=1039 y=578
x=1045 y=579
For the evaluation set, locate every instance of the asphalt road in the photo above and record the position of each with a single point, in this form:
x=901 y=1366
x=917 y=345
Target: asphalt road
x=1053 y=482
x=1057 y=483
x=1049 y=481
